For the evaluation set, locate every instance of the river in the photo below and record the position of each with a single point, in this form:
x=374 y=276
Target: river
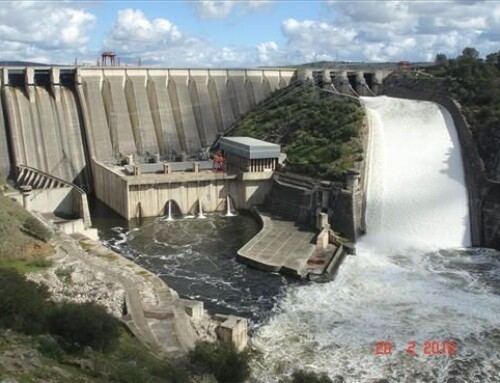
x=414 y=304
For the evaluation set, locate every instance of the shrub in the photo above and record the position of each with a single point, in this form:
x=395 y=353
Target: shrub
x=222 y=360
x=23 y=304
x=134 y=353
x=320 y=134
x=130 y=373
x=301 y=376
x=84 y=325
x=49 y=347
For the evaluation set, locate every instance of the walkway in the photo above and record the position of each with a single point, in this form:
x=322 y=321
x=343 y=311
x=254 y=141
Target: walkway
x=279 y=246
x=155 y=315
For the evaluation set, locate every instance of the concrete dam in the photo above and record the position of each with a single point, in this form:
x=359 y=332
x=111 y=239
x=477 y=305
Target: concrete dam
x=56 y=119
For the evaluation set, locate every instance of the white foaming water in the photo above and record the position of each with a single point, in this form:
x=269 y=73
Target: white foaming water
x=169 y=216
x=229 y=212
x=401 y=286
x=200 y=210
x=417 y=192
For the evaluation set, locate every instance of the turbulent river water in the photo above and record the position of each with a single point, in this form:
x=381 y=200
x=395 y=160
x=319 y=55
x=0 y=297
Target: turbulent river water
x=196 y=257
x=411 y=282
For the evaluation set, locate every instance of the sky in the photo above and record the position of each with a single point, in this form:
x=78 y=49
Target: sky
x=245 y=33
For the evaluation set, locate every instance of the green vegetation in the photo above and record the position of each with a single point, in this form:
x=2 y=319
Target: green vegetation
x=40 y=358
x=25 y=307
x=83 y=325
x=301 y=376
x=131 y=362
x=23 y=239
x=320 y=135
x=69 y=333
x=222 y=360
x=23 y=304
x=475 y=83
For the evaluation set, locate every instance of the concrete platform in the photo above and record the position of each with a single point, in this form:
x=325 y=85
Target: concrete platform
x=279 y=246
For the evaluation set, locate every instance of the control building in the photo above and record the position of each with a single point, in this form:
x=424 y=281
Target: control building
x=249 y=155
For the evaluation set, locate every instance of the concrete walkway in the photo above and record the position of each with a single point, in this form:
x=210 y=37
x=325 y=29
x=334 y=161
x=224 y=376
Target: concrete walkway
x=279 y=246
x=155 y=314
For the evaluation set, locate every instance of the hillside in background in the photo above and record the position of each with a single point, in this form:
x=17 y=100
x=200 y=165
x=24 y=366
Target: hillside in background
x=320 y=135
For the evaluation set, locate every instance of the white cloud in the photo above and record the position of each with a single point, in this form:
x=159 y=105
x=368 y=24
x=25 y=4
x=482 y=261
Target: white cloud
x=394 y=30
x=160 y=42
x=220 y=9
x=269 y=53
x=359 y=31
x=256 y=4
x=310 y=40
x=43 y=31
x=133 y=31
x=214 y=9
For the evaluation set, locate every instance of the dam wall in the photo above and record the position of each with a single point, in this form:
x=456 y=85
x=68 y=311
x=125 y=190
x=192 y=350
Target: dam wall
x=56 y=119
x=146 y=111
x=299 y=198
x=43 y=122
x=483 y=193
x=76 y=123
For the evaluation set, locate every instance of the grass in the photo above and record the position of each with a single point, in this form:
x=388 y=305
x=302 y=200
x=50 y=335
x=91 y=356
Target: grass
x=25 y=266
x=43 y=359
x=23 y=239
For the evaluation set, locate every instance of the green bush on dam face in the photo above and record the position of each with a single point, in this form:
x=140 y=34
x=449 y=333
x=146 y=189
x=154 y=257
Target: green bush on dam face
x=320 y=135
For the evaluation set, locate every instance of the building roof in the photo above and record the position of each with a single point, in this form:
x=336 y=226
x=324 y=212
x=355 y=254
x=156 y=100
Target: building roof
x=249 y=148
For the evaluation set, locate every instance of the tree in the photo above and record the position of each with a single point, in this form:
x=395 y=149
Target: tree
x=23 y=303
x=84 y=325
x=301 y=376
x=222 y=360
x=441 y=59
x=471 y=53
x=494 y=59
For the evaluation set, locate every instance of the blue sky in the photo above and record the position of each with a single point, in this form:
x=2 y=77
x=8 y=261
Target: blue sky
x=245 y=33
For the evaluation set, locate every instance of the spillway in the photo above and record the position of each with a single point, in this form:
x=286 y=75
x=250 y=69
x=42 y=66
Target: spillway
x=411 y=280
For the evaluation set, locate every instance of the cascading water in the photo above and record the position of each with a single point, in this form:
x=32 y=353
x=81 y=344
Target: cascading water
x=411 y=280
x=229 y=213
x=200 y=210
x=169 y=217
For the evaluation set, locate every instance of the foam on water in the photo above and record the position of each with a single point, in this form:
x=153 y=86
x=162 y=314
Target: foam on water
x=409 y=281
x=197 y=258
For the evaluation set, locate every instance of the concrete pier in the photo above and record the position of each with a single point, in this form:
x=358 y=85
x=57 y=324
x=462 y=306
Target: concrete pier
x=279 y=246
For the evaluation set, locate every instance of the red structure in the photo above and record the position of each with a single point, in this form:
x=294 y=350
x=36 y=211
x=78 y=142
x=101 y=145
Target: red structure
x=218 y=162
x=105 y=56
x=404 y=65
